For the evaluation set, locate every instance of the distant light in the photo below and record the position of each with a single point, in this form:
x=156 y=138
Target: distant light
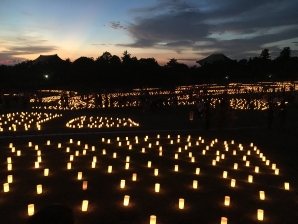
x=46 y=76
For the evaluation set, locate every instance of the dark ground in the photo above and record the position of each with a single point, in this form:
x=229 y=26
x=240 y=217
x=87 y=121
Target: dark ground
x=203 y=205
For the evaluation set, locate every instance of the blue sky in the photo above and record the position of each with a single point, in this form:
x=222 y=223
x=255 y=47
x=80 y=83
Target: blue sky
x=186 y=30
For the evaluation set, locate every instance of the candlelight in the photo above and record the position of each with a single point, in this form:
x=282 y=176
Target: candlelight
x=114 y=155
x=181 y=203
x=225 y=174
x=262 y=195
x=204 y=152
x=157 y=187
x=233 y=182
x=152 y=219
x=276 y=172
x=213 y=162
x=18 y=152
x=126 y=166
x=247 y=163
x=176 y=168
x=48 y=142
x=59 y=145
x=250 y=178
x=9 y=178
x=256 y=169
x=260 y=214
x=143 y=150
x=68 y=166
x=39 y=189
x=134 y=177
x=287 y=186
x=46 y=172
x=109 y=169
x=31 y=209
x=149 y=164
x=84 y=205
x=126 y=200
x=224 y=220
x=85 y=185
x=80 y=175
x=197 y=171
x=122 y=184
x=127 y=159
x=6 y=187
x=195 y=184
x=36 y=164
x=235 y=166
x=155 y=172
x=227 y=200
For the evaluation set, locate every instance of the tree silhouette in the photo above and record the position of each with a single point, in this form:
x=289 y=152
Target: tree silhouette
x=265 y=55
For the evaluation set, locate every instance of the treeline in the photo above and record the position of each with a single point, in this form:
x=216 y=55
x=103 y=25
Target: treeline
x=111 y=71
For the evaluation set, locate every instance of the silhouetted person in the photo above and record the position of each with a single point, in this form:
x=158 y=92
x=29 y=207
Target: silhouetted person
x=53 y=214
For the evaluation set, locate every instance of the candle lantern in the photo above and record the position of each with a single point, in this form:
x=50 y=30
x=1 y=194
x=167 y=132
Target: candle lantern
x=68 y=166
x=93 y=164
x=197 y=171
x=59 y=145
x=31 y=209
x=85 y=185
x=30 y=144
x=152 y=219
x=273 y=166
x=93 y=148
x=103 y=151
x=244 y=158
x=134 y=177
x=126 y=166
x=67 y=149
x=262 y=195
x=225 y=174
x=155 y=172
x=84 y=205
x=250 y=178
x=235 y=166
x=192 y=159
x=256 y=169
x=233 y=182
x=179 y=149
x=204 y=152
x=46 y=172
x=181 y=203
x=70 y=141
x=213 y=162
x=39 y=189
x=6 y=187
x=18 y=152
x=176 y=168
x=127 y=159
x=222 y=156
x=80 y=175
x=36 y=164
x=287 y=186
x=8 y=159
x=227 y=200
x=157 y=187
x=109 y=169
x=79 y=142
x=48 y=142
x=114 y=155
x=122 y=184
x=126 y=200
x=119 y=143
x=36 y=147
x=234 y=152
x=9 y=178
x=176 y=156
x=149 y=164
x=260 y=214
x=224 y=220
x=84 y=152
x=71 y=158
x=195 y=184
x=247 y=163
x=217 y=158
x=276 y=172
x=77 y=153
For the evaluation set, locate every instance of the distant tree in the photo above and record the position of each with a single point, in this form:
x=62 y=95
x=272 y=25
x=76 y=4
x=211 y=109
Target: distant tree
x=265 y=55
x=126 y=57
x=285 y=53
x=172 y=63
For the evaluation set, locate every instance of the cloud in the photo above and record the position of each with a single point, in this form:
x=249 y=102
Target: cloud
x=116 y=25
x=236 y=28
x=16 y=48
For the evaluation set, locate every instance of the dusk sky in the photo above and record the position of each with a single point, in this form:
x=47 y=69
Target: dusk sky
x=187 y=30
